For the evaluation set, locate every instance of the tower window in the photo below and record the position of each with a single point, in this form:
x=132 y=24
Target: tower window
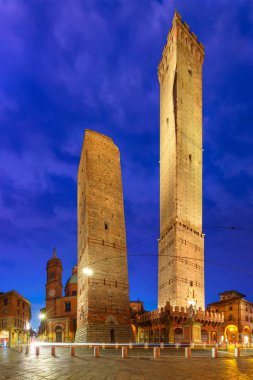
x=189 y=70
x=190 y=157
x=6 y=301
x=106 y=226
x=67 y=306
x=51 y=275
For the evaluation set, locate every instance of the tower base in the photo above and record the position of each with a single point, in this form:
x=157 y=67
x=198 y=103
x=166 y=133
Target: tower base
x=103 y=333
x=192 y=332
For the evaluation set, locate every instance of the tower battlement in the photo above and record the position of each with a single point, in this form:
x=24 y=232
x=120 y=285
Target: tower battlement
x=180 y=33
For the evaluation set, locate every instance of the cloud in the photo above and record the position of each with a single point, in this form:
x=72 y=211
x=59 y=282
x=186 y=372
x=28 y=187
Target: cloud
x=93 y=64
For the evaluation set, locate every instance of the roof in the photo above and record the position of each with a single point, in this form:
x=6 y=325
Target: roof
x=14 y=292
x=72 y=279
x=232 y=291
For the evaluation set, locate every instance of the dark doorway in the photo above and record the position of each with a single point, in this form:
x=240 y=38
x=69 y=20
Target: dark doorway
x=112 y=336
x=58 y=334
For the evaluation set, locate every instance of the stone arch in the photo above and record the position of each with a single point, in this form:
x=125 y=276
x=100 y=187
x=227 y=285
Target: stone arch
x=246 y=334
x=231 y=333
x=4 y=337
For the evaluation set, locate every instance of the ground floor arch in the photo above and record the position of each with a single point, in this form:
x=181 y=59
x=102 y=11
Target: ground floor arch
x=246 y=335
x=231 y=334
x=4 y=337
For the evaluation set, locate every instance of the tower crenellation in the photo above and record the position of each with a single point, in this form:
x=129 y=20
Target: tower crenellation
x=180 y=33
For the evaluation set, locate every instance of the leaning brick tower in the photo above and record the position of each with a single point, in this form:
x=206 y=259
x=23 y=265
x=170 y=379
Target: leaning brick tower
x=103 y=309
x=181 y=244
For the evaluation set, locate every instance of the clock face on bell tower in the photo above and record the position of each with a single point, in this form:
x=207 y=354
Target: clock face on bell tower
x=51 y=293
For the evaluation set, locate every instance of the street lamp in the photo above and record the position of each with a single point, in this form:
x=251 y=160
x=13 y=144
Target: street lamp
x=27 y=327
x=42 y=316
x=88 y=271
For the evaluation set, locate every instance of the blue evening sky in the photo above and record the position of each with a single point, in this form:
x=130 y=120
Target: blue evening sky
x=70 y=65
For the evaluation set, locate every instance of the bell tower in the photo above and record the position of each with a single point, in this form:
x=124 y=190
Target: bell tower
x=54 y=284
x=181 y=244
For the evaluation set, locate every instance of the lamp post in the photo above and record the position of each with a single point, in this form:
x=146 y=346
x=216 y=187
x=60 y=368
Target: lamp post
x=28 y=327
x=42 y=318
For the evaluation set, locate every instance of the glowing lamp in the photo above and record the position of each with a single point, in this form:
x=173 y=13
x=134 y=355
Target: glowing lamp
x=42 y=316
x=88 y=271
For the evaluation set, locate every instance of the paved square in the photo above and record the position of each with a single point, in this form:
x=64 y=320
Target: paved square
x=110 y=365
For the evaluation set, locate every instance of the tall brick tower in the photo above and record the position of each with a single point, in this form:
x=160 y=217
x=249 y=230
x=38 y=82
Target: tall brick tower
x=181 y=245
x=103 y=309
x=54 y=284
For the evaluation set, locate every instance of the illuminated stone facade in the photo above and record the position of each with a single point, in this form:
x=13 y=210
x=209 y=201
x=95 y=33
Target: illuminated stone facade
x=166 y=325
x=238 y=317
x=59 y=315
x=103 y=311
x=181 y=245
x=15 y=315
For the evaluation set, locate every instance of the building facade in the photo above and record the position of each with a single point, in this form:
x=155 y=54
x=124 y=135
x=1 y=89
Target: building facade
x=58 y=318
x=181 y=244
x=167 y=324
x=15 y=316
x=238 y=317
x=103 y=312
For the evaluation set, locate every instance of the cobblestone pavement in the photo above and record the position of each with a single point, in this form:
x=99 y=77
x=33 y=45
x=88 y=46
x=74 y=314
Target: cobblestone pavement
x=110 y=365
